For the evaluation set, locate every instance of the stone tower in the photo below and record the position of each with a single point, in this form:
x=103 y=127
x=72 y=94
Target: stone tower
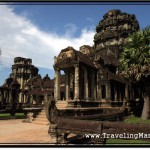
x=112 y=31
x=110 y=37
x=22 y=70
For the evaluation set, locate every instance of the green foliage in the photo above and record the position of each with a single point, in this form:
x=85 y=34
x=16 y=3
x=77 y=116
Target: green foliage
x=130 y=119
x=7 y=115
x=121 y=141
x=135 y=59
x=133 y=119
x=4 y=115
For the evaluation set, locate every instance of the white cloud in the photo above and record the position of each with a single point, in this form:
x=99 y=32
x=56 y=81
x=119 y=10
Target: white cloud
x=20 y=37
x=70 y=29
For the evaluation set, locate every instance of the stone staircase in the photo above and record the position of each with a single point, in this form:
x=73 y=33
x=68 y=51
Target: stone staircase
x=41 y=118
x=61 y=104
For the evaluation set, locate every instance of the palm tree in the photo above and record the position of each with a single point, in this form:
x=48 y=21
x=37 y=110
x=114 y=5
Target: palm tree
x=135 y=64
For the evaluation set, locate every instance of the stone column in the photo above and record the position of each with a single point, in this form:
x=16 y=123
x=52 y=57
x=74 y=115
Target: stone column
x=115 y=91
x=98 y=88
x=76 y=84
x=95 y=89
x=108 y=90
x=57 y=85
x=31 y=99
x=126 y=96
x=86 y=85
x=67 y=75
x=119 y=93
x=45 y=98
x=22 y=97
x=25 y=98
x=92 y=85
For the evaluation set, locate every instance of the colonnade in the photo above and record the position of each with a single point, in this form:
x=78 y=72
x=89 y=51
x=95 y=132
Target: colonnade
x=89 y=89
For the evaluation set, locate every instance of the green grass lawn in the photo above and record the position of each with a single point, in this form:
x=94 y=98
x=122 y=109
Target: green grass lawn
x=131 y=119
x=4 y=115
x=7 y=115
x=120 y=141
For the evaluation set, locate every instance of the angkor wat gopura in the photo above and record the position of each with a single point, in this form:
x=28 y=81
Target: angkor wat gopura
x=91 y=77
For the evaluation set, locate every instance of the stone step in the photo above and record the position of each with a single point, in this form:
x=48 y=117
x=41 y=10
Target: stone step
x=61 y=105
x=41 y=118
x=43 y=110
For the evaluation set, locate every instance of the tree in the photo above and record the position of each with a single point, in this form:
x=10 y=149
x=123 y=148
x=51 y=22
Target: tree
x=135 y=64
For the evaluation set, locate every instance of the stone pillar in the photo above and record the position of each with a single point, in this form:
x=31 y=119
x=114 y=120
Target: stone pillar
x=92 y=84
x=98 y=88
x=95 y=89
x=67 y=75
x=57 y=85
x=22 y=97
x=25 y=98
x=31 y=99
x=115 y=90
x=21 y=80
x=45 y=98
x=6 y=96
x=86 y=85
x=108 y=90
x=76 y=84
x=126 y=96
x=119 y=94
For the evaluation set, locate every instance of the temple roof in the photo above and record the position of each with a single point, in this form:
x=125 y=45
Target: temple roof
x=38 y=82
x=34 y=81
x=10 y=81
x=68 y=57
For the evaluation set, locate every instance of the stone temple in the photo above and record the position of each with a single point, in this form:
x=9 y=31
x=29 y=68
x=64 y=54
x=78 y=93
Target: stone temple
x=91 y=73
x=91 y=77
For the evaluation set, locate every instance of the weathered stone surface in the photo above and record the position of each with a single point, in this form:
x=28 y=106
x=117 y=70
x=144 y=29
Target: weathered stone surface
x=113 y=29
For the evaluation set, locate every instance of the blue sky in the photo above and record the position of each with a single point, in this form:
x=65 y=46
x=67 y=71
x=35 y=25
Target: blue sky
x=41 y=31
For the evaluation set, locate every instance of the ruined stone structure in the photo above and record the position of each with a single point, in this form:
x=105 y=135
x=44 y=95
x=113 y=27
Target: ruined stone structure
x=91 y=77
x=22 y=70
x=26 y=86
x=92 y=72
x=109 y=39
x=39 y=89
